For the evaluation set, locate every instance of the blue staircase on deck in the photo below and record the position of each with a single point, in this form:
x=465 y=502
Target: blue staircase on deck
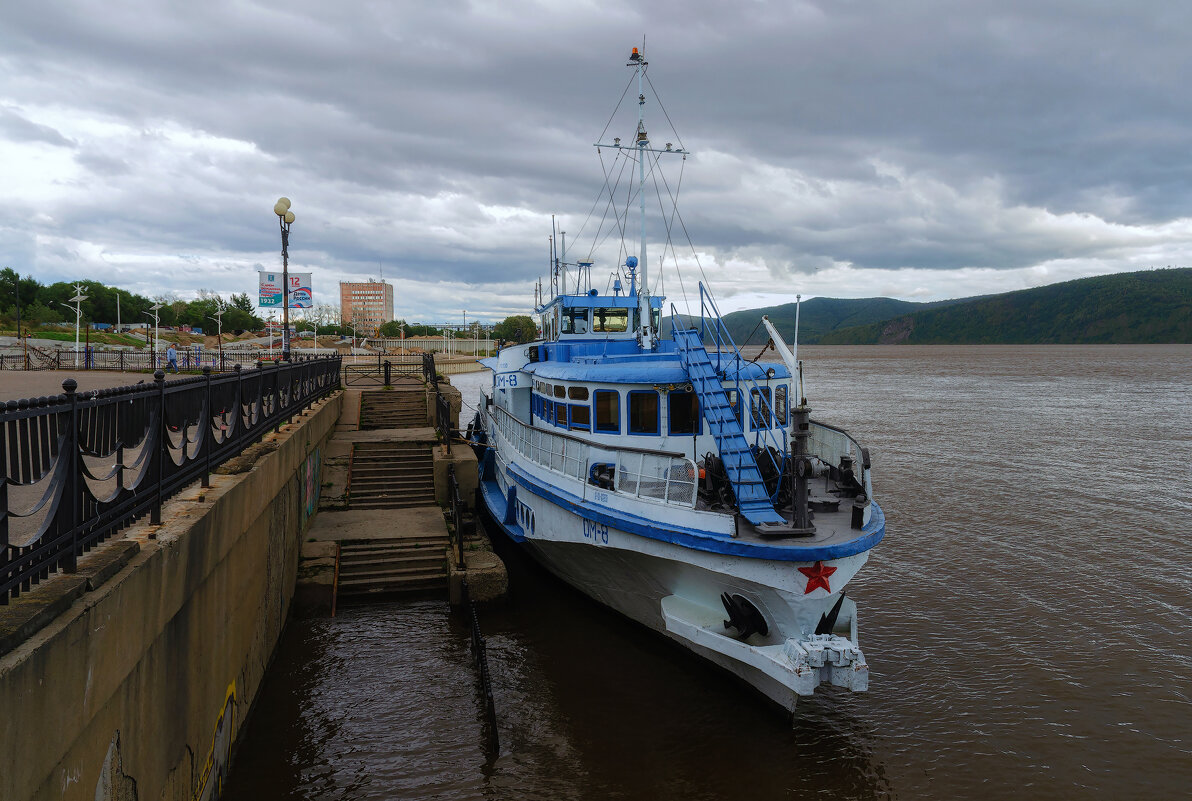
x=743 y=474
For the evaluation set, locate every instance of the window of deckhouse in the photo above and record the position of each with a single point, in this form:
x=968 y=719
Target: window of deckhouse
x=561 y=415
x=608 y=411
x=610 y=321
x=759 y=407
x=560 y=391
x=643 y=412
x=577 y=393
x=780 y=404
x=734 y=403
x=683 y=409
x=581 y=416
x=575 y=321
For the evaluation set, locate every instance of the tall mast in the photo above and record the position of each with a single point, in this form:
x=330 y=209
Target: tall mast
x=648 y=334
x=643 y=142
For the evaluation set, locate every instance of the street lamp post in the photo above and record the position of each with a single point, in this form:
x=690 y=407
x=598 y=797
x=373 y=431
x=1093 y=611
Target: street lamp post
x=77 y=300
x=285 y=218
x=218 y=318
x=156 y=333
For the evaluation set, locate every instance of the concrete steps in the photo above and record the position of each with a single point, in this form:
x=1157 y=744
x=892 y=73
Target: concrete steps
x=391 y=475
x=393 y=409
x=392 y=566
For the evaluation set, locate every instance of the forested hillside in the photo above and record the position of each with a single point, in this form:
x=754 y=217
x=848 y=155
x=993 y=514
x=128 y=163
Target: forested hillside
x=1153 y=306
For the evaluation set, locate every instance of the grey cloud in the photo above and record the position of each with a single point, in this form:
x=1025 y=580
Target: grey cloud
x=16 y=128
x=399 y=129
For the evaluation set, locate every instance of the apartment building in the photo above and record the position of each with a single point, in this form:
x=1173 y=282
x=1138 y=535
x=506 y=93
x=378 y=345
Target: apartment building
x=366 y=305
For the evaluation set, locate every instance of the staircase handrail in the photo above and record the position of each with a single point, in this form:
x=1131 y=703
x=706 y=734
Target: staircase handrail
x=712 y=322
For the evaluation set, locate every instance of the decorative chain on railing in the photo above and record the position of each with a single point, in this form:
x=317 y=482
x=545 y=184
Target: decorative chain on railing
x=79 y=467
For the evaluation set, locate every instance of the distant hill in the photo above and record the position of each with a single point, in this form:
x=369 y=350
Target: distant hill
x=818 y=317
x=1152 y=306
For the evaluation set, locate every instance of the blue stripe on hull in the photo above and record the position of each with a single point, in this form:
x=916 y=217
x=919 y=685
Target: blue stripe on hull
x=680 y=535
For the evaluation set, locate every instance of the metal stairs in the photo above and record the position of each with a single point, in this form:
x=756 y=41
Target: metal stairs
x=743 y=474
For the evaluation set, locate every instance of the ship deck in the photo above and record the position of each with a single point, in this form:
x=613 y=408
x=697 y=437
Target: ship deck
x=833 y=526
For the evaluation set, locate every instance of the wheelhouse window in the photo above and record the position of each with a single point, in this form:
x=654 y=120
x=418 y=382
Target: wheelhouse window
x=683 y=410
x=608 y=411
x=643 y=412
x=575 y=321
x=780 y=405
x=560 y=391
x=759 y=398
x=577 y=393
x=561 y=415
x=610 y=321
x=581 y=416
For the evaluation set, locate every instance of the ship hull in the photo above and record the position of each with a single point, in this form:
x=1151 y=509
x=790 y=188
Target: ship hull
x=676 y=591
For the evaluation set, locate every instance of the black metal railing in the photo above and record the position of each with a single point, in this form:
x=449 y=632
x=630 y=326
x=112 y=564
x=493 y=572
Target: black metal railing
x=458 y=511
x=35 y=358
x=480 y=653
x=429 y=374
x=380 y=372
x=79 y=467
x=443 y=419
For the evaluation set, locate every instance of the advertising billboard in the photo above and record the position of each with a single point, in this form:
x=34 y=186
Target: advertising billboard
x=301 y=296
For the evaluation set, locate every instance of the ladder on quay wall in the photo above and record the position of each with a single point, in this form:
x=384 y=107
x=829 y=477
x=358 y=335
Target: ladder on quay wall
x=752 y=498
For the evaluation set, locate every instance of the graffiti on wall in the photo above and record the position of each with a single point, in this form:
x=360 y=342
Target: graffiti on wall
x=215 y=769
x=308 y=480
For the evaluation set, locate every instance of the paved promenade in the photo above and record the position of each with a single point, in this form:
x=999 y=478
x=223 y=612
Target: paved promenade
x=17 y=384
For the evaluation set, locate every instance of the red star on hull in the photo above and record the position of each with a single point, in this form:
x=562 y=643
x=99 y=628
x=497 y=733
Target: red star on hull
x=817 y=576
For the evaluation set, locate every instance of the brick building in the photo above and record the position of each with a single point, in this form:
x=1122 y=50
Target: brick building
x=366 y=305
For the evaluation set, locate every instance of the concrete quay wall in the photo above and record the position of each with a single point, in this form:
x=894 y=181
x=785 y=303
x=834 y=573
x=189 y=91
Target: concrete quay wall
x=137 y=690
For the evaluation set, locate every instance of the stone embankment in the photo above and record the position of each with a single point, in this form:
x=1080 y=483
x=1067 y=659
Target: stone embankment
x=131 y=678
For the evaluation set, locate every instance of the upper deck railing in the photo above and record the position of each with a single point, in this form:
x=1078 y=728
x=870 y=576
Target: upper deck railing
x=79 y=467
x=666 y=477
x=830 y=443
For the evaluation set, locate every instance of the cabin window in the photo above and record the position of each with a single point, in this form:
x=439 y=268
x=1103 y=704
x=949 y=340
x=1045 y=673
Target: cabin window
x=656 y=316
x=734 y=399
x=575 y=321
x=759 y=407
x=578 y=393
x=608 y=411
x=643 y=412
x=581 y=416
x=610 y=321
x=683 y=408
x=780 y=404
x=560 y=391
x=548 y=411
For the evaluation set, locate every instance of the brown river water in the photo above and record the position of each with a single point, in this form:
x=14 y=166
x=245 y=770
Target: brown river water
x=1026 y=622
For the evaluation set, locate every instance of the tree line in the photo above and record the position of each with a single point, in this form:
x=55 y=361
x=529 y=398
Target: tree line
x=42 y=304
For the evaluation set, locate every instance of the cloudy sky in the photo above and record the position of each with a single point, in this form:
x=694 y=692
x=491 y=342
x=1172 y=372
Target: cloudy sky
x=919 y=150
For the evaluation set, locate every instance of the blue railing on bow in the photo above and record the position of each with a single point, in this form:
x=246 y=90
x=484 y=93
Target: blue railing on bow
x=81 y=466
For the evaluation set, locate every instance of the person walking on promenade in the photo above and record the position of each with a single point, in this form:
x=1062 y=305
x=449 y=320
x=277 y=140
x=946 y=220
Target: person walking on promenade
x=172 y=358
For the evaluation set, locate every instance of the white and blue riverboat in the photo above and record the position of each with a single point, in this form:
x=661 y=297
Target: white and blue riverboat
x=676 y=482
